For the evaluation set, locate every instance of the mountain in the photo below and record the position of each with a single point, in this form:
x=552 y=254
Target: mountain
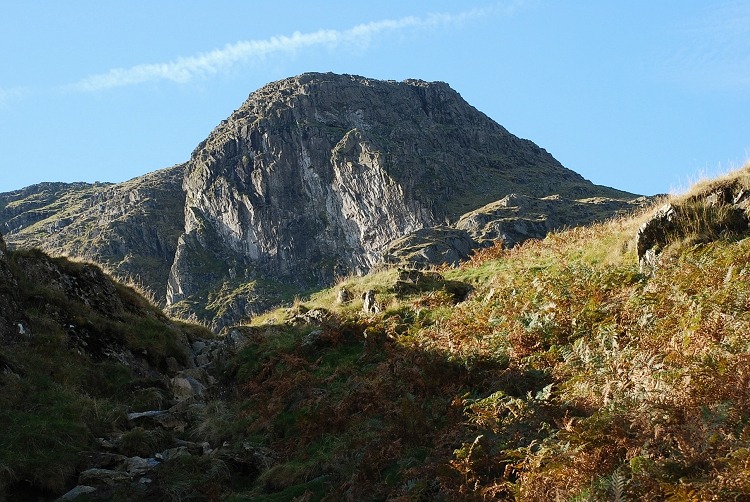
x=314 y=177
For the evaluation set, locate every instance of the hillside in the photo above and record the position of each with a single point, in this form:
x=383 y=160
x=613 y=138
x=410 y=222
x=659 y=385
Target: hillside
x=570 y=372
x=314 y=177
x=130 y=228
x=80 y=357
x=607 y=362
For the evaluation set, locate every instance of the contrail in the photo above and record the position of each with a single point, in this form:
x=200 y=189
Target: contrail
x=185 y=69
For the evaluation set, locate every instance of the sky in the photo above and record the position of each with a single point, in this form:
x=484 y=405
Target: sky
x=642 y=96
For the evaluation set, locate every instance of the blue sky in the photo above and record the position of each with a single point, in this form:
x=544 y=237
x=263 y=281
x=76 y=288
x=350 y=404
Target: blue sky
x=643 y=96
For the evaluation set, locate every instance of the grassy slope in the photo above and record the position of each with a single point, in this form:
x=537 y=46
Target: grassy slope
x=568 y=375
x=58 y=391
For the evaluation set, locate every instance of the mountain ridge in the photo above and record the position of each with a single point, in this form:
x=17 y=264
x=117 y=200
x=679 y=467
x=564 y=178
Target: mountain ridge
x=312 y=178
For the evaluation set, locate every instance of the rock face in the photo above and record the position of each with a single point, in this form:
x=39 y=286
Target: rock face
x=313 y=177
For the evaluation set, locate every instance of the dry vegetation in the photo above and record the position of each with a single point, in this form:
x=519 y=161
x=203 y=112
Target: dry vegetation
x=567 y=375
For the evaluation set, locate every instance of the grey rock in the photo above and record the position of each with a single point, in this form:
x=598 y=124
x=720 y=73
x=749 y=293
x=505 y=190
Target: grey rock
x=369 y=303
x=77 y=492
x=146 y=414
x=186 y=387
x=411 y=281
x=431 y=246
x=171 y=421
x=172 y=453
x=312 y=316
x=137 y=466
x=102 y=477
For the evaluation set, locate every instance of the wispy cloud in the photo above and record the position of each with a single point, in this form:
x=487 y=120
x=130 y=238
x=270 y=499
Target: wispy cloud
x=185 y=69
x=714 y=51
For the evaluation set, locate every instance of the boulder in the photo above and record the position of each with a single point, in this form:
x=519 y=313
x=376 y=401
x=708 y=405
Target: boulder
x=430 y=246
x=653 y=235
x=313 y=316
x=412 y=281
x=77 y=492
x=137 y=466
x=186 y=387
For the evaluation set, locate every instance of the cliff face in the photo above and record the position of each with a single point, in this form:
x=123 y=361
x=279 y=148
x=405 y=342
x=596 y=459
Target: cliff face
x=313 y=177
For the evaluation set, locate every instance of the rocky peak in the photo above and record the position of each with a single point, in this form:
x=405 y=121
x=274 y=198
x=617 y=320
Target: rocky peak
x=314 y=176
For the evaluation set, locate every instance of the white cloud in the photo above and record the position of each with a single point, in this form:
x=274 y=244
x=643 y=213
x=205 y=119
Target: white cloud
x=185 y=69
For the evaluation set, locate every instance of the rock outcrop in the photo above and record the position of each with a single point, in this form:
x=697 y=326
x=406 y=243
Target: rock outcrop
x=719 y=209
x=653 y=235
x=510 y=220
